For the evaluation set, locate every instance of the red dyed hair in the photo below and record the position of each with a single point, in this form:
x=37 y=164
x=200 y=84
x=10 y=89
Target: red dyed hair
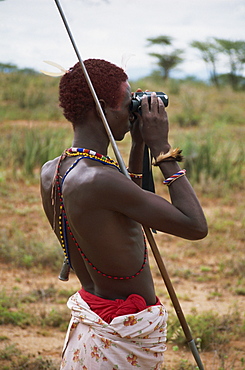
x=75 y=96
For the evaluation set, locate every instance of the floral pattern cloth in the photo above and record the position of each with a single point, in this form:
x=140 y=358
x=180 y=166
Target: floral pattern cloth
x=128 y=342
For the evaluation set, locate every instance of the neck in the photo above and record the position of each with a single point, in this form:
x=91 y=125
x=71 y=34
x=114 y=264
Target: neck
x=90 y=144
x=91 y=134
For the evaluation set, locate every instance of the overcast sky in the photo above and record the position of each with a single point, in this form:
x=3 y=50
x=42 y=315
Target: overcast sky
x=32 y=31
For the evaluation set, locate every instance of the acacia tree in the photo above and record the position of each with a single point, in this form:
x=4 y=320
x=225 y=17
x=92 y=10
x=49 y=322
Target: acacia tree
x=235 y=51
x=166 y=61
x=8 y=67
x=209 y=53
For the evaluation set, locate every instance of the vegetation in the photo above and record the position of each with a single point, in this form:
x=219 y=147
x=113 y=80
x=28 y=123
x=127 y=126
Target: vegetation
x=234 y=53
x=209 y=54
x=28 y=96
x=212 y=51
x=209 y=329
x=208 y=124
x=168 y=60
x=203 y=114
x=13 y=359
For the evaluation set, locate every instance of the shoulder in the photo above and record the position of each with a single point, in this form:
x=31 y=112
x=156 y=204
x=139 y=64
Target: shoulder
x=49 y=166
x=91 y=176
x=47 y=172
x=95 y=183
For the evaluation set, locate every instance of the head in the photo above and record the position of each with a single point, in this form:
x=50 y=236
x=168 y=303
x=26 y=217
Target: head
x=75 y=96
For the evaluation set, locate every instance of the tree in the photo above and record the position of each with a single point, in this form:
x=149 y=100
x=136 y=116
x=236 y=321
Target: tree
x=235 y=51
x=166 y=61
x=209 y=53
x=8 y=67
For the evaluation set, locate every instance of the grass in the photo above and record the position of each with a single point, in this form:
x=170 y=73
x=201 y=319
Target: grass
x=208 y=329
x=31 y=147
x=224 y=361
x=207 y=163
x=205 y=122
x=28 y=97
x=26 y=252
x=12 y=359
x=18 y=309
x=208 y=125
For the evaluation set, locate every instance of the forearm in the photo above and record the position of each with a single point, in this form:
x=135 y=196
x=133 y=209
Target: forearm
x=135 y=164
x=189 y=220
x=184 y=198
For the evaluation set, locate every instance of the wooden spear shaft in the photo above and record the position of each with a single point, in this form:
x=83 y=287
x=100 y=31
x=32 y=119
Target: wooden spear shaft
x=147 y=231
x=173 y=297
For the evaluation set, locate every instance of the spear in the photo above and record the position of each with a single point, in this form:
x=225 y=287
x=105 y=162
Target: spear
x=147 y=231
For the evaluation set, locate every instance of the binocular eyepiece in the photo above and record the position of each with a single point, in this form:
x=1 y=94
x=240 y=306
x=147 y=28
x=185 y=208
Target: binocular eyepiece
x=138 y=96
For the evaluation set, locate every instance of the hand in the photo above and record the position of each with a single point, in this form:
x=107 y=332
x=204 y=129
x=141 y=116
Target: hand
x=154 y=124
x=135 y=132
x=135 y=126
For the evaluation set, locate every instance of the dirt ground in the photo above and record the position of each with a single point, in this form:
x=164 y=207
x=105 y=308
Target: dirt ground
x=194 y=294
x=48 y=342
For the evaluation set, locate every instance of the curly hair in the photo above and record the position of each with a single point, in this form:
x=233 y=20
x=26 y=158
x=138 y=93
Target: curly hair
x=74 y=94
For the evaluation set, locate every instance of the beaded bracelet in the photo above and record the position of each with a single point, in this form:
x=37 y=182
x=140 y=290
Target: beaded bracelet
x=135 y=175
x=174 y=177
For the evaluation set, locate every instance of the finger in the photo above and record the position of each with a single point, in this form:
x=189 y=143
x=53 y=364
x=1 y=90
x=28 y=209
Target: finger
x=161 y=106
x=136 y=117
x=144 y=104
x=154 y=101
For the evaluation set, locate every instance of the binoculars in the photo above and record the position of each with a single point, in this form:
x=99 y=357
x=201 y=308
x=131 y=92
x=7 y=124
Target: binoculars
x=138 y=96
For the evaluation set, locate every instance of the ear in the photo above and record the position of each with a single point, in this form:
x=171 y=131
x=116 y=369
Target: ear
x=103 y=106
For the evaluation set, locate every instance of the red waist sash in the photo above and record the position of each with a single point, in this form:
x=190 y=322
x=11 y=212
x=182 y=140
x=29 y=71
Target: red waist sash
x=109 y=309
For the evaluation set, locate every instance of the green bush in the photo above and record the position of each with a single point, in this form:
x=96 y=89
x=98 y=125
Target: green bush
x=208 y=329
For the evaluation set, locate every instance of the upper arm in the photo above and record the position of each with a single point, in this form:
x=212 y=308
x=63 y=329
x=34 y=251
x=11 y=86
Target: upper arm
x=46 y=179
x=119 y=194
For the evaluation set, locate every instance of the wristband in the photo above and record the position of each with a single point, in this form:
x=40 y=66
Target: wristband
x=174 y=177
x=135 y=175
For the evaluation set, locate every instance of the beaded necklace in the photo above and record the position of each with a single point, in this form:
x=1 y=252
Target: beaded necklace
x=64 y=227
x=91 y=154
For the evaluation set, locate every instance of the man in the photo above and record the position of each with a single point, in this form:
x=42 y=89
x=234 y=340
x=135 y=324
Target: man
x=97 y=212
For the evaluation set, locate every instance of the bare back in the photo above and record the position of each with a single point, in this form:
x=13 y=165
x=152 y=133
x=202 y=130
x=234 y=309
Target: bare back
x=110 y=240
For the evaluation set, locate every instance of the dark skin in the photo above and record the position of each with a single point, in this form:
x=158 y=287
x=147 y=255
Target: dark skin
x=105 y=209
